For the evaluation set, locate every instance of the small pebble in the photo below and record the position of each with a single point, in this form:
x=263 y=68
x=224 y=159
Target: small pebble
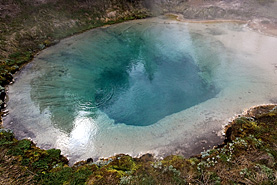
x=204 y=141
x=6 y=111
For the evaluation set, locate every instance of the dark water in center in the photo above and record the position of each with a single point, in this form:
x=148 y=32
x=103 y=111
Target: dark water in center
x=136 y=74
x=116 y=89
x=148 y=91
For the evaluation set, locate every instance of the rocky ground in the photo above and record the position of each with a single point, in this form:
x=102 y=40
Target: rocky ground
x=260 y=14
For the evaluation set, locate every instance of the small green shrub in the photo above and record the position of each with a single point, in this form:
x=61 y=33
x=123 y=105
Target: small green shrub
x=6 y=137
x=123 y=163
x=20 y=147
x=54 y=153
x=58 y=178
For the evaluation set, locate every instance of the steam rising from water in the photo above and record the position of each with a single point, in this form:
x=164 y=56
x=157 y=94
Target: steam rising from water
x=149 y=85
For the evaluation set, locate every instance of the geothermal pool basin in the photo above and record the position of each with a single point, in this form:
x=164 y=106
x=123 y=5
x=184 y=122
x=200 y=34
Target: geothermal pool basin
x=155 y=85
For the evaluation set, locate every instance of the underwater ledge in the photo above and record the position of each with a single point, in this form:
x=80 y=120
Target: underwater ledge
x=57 y=153
x=49 y=166
x=183 y=147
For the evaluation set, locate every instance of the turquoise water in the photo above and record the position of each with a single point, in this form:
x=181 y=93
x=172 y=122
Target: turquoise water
x=136 y=74
x=154 y=85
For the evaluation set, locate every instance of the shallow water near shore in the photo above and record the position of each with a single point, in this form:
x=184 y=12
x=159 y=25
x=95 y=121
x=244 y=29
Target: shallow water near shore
x=153 y=85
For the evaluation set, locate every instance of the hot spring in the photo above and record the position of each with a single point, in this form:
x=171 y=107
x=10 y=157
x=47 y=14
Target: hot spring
x=153 y=85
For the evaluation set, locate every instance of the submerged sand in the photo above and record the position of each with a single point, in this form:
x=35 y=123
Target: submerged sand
x=246 y=75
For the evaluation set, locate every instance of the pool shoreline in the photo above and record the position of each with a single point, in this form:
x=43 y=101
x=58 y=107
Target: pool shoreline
x=203 y=141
